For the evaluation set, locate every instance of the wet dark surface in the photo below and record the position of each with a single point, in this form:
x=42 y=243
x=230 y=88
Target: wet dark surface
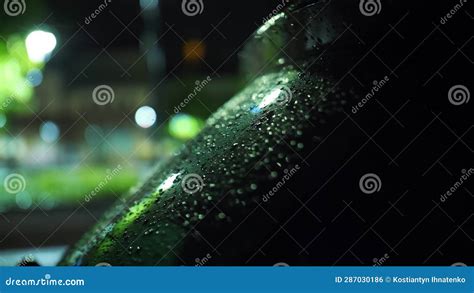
x=295 y=129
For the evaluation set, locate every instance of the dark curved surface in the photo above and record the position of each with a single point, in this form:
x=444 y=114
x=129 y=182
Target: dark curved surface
x=331 y=55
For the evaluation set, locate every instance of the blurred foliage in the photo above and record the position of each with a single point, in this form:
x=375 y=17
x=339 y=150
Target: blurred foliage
x=64 y=187
x=14 y=66
x=15 y=89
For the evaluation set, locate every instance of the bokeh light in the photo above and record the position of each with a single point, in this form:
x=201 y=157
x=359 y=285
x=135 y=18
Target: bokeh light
x=145 y=117
x=3 y=120
x=49 y=132
x=35 y=77
x=184 y=126
x=39 y=45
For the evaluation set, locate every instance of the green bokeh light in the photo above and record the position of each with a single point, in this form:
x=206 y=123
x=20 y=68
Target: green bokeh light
x=184 y=126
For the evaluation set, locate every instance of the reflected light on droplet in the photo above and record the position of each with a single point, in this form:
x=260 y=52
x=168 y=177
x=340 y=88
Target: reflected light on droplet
x=168 y=182
x=269 y=23
x=270 y=98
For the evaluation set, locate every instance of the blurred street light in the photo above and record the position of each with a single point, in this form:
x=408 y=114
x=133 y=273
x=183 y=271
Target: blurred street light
x=39 y=45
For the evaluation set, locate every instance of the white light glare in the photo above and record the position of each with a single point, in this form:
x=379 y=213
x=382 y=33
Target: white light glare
x=39 y=45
